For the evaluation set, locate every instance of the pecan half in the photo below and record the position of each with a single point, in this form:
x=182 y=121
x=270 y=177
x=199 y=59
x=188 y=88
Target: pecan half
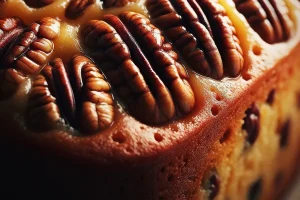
x=38 y=3
x=269 y=18
x=149 y=80
x=116 y=3
x=95 y=103
x=28 y=54
x=86 y=105
x=202 y=32
x=10 y=29
x=76 y=8
x=43 y=112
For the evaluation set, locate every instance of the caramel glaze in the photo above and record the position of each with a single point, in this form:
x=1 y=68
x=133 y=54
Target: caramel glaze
x=129 y=150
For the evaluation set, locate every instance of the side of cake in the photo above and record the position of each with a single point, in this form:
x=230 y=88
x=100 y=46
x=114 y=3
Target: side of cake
x=150 y=100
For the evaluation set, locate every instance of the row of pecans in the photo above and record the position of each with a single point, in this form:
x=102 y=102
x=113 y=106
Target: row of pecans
x=131 y=56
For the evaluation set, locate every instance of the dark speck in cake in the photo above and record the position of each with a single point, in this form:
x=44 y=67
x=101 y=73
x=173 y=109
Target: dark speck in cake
x=255 y=190
x=278 y=179
x=271 y=97
x=212 y=185
x=284 y=133
x=252 y=124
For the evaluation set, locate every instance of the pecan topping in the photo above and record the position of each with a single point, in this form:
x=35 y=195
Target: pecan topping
x=203 y=33
x=10 y=28
x=28 y=54
x=149 y=80
x=38 y=3
x=88 y=101
x=269 y=18
x=76 y=8
x=116 y=3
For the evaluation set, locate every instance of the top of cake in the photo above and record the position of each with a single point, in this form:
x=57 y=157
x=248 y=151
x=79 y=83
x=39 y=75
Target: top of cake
x=115 y=79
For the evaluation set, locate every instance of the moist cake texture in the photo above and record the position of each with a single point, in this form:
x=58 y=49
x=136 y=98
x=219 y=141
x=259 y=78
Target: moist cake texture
x=150 y=99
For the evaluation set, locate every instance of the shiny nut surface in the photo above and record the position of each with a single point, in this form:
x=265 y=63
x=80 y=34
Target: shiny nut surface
x=86 y=104
x=149 y=80
x=27 y=55
x=269 y=18
x=10 y=28
x=203 y=34
x=76 y=8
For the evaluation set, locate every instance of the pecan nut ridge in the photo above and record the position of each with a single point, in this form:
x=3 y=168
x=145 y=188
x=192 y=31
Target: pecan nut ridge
x=132 y=72
x=194 y=28
x=269 y=18
x=164 y=59
x=29 y=53
x=224 y=34
x=76 y=8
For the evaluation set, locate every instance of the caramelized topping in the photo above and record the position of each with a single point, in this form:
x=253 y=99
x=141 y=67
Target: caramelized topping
x=87 y=105
x=149 y=80
x=269 y=18
x=202 y=32
x=28 y=54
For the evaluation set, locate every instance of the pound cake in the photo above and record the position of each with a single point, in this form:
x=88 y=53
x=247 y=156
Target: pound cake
x=154 y=99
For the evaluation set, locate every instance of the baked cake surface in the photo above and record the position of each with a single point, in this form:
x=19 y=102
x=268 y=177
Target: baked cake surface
x=149 y=100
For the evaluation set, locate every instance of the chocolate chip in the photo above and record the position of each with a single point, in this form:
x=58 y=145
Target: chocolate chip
x=255 y=190
x=141 y=66
x=271 y=97
x=252 y=123
x=212 y=184
x=202 y=32
x=284 y=133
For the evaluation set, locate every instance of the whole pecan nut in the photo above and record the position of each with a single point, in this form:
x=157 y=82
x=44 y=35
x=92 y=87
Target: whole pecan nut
x=202 y=32
x=86 y=104
x=27 y=55
x=269 y=18
x=141 y=66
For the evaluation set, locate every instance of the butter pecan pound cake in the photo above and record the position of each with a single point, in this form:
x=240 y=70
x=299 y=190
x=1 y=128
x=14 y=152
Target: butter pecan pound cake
x=154 y=99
